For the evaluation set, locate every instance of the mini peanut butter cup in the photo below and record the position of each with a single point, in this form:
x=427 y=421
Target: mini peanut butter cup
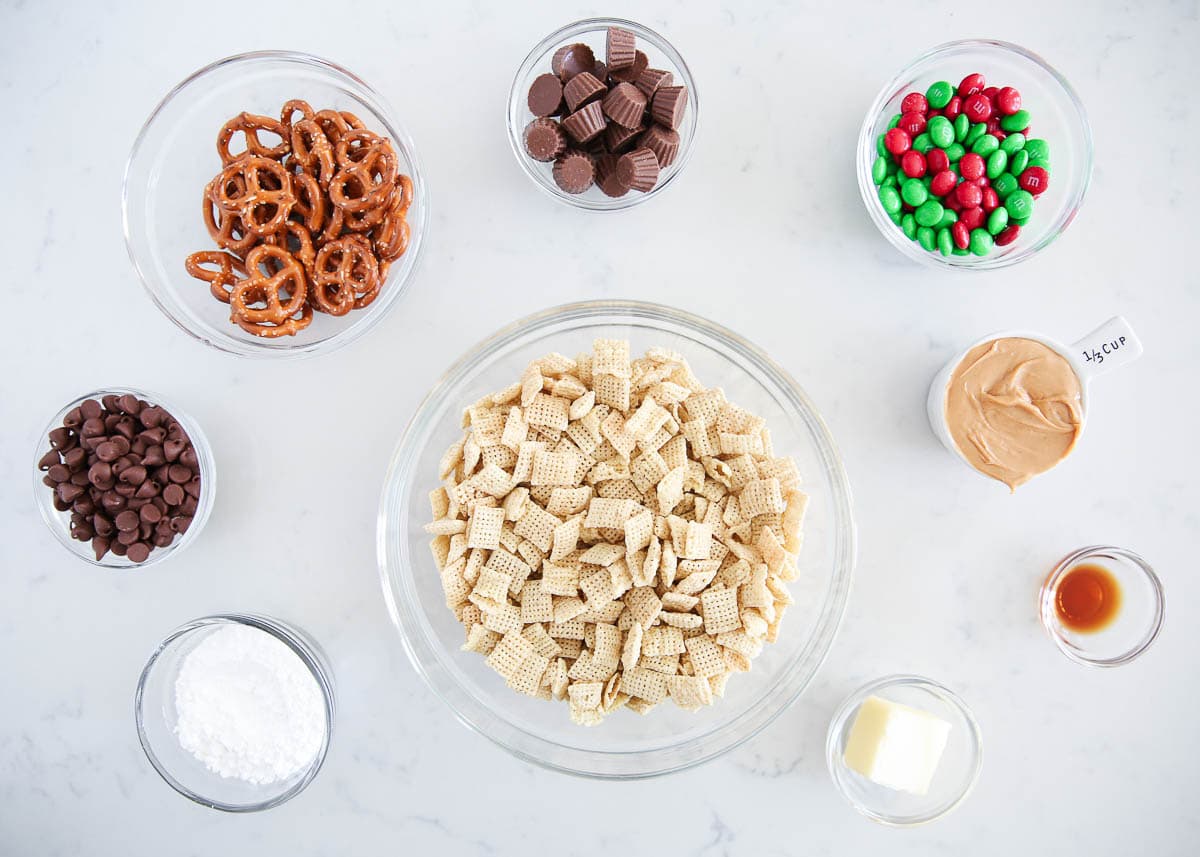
x=620 y=48
x=633 y=71
x=669 y=105
x=607 y=179
x=575 y=171
x=625 y=104
x=638 y=169
x=651 y=79
x=544 y=140
x=581 y=89
x=663 y=142
x=618 y=138
x=585 y=124
x=545 y=95
x=570 y=60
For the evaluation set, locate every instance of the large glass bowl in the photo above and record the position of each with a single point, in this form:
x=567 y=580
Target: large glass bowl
x=625 y=745
x=592 y=32
x=175 y=156
x=1056 y=115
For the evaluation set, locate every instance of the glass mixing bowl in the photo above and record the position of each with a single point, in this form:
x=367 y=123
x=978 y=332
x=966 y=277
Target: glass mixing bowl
x=625 y=745
x=175 y=156
x=592 y=32
x=1056 y=116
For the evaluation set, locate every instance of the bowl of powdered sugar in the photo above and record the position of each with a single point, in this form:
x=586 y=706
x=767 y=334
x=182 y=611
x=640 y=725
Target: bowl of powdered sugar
x=236 y=711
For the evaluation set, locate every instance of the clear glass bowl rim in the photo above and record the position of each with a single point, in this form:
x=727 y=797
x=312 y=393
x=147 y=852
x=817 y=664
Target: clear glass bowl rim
x=393 y=290
x=290 y=636
x=1047 y=614
x=866 y=154
x=208 y=480
x=850 y=704
x=424 y=654
x=516 y=99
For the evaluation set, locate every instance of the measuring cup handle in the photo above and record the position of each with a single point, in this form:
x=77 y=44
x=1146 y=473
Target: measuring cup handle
x=1110 y=346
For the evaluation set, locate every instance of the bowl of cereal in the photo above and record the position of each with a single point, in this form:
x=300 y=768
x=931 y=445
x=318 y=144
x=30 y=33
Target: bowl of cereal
x=274 y=206
x=593 y=574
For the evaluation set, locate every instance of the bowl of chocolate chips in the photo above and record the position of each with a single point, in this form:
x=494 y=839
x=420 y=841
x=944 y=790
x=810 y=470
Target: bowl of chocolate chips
x=124 y=478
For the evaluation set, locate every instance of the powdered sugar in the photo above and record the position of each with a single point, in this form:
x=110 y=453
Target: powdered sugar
x=248 y=707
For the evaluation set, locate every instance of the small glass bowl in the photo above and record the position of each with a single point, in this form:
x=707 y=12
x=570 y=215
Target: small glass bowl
x=1137 y=622
x=668 y=739
x=60 y=522
x=1057 y=116
x=175 y=156
x=592 y=32
x=154 y=711
x=956 y=773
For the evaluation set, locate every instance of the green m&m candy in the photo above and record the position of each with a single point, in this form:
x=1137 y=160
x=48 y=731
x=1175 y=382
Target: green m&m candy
x=895 y=120
x=941 y=131
x=981 y=242
x=880 y=149
x=1019 y=204
x=945 y=242
x=996 y=162
x=1004 y=185
x=1038 y=148
x=895 y=217
x=961 y=126
x=1018 y=121
x=1018 y=162
x=949 y=218
x=922 y=143
x=1035 y=161
x=985 y=145
x=977 y=130
x=889 y=197
x=929 y=213
x=914 y=192
x=879 y=170
x=1012 y=143
x=961 y=251
x=908 y=224
x=955 y=151
x=939 y=94
x=997 y=220
x=926 y=238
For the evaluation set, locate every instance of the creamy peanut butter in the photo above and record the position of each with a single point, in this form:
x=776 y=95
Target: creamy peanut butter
x=1014 y=408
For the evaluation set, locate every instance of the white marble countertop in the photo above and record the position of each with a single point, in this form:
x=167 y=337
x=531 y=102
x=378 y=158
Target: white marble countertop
x=1077 y=761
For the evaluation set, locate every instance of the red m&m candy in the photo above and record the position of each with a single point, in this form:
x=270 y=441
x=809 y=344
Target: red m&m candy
x=972 y=218
x=937 y=160
x=971 y=84
x=913 y=123
x=1008 y=100
x=971 y=166
x=1008 y=235
x=943 y=182
x=897 y=141
x=978 y=108
x=915 y=102
x=969 y=194
x=990 y=200
x=951 y=110
x=961 y=235
x=1034 y=179
x=913 y=164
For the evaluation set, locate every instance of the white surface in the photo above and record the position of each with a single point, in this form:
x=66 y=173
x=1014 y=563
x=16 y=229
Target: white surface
x=1076 y=761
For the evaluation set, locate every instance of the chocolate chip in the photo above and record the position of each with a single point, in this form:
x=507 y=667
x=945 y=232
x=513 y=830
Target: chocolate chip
x=82 y=531
x=180 y=524
x=163 y=539
x=179 y=474
x=59 y=504
x=117 y=548
x=172 y=449
x=100 y=474
x=127 y=537
x=138 y=552
x=193 y=487
x=188 y=506
x=90 y=409
x=60 y=437
x=153 y=436
x=129 y=404
x=149 y=488
x=80 y=478
x=173 y=494
x=127 y=428
x=150 y=514
x=85 y=505
x=59 y=473
x=112 y=502
x=108 y=451
x=135 y=475
x=103 y=524
x=48 y=460
x=74 y=418
x=151 y=417
x=151 y=457
x=190 y=459
x=99 y=547
x=92 y=427
x=75 y=458
x=125 y=490
x=68 y=492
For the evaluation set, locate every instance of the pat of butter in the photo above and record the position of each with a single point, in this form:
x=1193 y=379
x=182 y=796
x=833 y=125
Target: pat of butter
x=895 y=745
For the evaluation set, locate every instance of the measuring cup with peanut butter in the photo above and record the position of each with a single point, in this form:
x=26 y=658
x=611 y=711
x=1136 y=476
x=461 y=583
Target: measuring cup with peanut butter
x=1014 y=404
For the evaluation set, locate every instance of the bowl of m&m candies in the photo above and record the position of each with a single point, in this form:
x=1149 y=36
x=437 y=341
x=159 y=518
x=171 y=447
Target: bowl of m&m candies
x=976 y=155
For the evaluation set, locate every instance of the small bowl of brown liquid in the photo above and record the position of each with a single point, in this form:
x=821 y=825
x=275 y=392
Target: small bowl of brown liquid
x=1102 y=606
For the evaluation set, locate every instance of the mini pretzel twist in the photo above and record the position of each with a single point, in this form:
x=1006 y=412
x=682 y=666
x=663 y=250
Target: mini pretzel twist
x=250 y=124
x=366 y=171
x=272 y=300
x=346 y=276
x=313 y=151
x=259 y=191
x=221 y=282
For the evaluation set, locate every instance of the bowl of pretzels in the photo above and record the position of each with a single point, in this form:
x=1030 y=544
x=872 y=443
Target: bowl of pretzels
x=273 y=206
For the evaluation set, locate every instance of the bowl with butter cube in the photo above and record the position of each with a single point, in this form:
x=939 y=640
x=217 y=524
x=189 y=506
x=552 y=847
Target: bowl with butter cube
x=904 y=750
